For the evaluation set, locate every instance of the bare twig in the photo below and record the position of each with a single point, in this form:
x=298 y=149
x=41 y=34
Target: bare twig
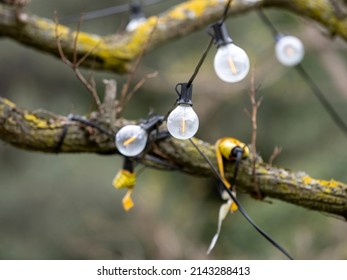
x=78 y=29
x=87 y=54
x=275 y=154
x=139 y=85
x=74 y=65
x=124 y=95
x=255 y=105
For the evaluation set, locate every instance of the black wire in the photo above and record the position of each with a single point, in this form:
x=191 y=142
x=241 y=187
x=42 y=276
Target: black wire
x=170 y=110
x=240 y=207
x=165 y=165
x=62 y=137
x=204 y=55
x=103 y=12
x=309 y=81
x=89 y=123
x=226 y=10
x=236 y=169
x=269 y=24
x=248 y=218
x=71 y=117
x=322 y=99
x=201 y=61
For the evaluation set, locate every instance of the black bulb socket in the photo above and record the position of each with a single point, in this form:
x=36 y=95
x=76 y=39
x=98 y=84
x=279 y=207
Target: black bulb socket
x=185 y=94
x=235 y=152
x=220 y=34
x=128 y=165
x=152 y=123
x=136 y=10
x=278 y=37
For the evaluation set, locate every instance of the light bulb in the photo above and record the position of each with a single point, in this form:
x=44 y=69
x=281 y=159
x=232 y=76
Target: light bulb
x=231 y=63
x=136 y=16
x=134 y=23
x=289 y=50
x=131 y=140
x=183 y=122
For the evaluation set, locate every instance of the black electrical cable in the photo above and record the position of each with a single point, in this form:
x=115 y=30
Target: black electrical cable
x=104 y=12
x=226 y=10
x=201 y=61
x=240 y=207
x=322 y=99
x=204 y=55
x=71 y=117
x=91 y=124
x=170 y=110
x=236 y=169
x=60 y=143
x=308 y=80
x=268 y=23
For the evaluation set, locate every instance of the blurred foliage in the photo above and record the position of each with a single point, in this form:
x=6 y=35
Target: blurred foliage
x=64 y=207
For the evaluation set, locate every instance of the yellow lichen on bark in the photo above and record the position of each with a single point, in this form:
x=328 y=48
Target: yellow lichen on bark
x=325 y=183
x=37 y=122
x=8 y=102
x=115 y=52
x=191 y=9
x=139 y=38
x=323 y=12
x=26 y=130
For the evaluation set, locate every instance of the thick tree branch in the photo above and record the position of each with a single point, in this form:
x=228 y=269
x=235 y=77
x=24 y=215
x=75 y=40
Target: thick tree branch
x=28 y=130
x=115 y=52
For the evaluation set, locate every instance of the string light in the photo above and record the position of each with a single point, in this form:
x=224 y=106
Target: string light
x=137 y=17
x=231 y=63
x=183 y=122
x=104 y=12
x=307 y=79
x=131 y=140
x=289 y=50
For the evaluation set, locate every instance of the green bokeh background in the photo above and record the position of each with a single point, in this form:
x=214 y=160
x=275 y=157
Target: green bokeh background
x=64 y=207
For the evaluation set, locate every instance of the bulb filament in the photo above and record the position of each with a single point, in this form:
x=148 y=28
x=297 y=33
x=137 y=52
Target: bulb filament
x=129 y=140
x=289 y=50
x=183 y=125
x=232 y=65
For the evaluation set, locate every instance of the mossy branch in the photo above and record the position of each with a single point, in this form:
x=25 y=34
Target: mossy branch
x=115 y=52
x=29 y=130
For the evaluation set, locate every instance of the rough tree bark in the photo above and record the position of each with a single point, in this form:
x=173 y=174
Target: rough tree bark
x=41 y=132
x=115 y=52
x=28 y=130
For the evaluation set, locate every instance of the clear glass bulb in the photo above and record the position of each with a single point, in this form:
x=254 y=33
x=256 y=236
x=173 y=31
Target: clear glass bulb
x=289 y=50
x=183 y=122
x=231 y=63
x=131 y=140
x=134 y=23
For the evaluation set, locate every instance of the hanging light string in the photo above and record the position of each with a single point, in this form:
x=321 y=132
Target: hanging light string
x=202 y=58
x=201 y=61
x=240 y=207
x=104 y=12
x=225 y=13
x=204 y=55
x=268 y=23
x=322 y=99
x=308 y=80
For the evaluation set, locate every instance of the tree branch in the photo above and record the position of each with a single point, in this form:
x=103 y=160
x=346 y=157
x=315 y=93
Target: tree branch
x=28 y=130
x=116 y=52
